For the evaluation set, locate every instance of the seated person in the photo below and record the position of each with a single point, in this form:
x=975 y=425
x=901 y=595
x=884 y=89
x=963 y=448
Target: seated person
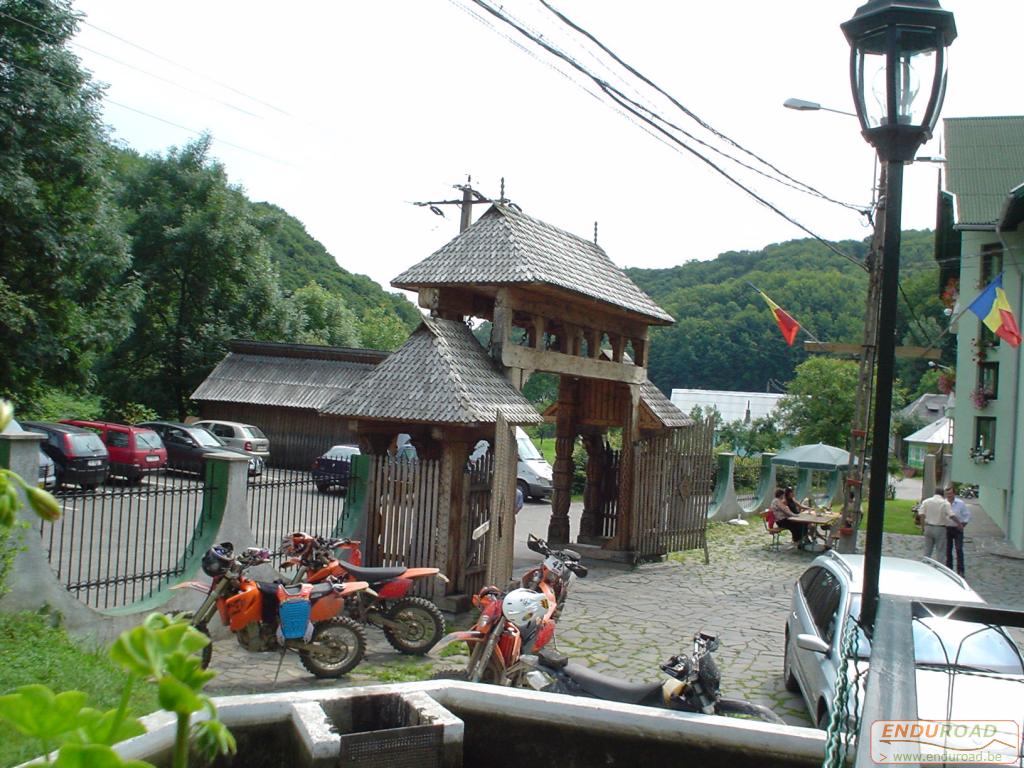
x=783 y=512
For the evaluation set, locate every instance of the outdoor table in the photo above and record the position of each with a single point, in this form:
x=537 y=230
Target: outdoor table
x=816 y=521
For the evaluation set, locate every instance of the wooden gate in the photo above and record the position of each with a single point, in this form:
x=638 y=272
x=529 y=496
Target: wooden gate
x=475 y=539
x=403 y=501
x=672 y=491
x=609 y=483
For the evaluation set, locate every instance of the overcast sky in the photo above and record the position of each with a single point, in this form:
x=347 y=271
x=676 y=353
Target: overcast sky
x=343 y=113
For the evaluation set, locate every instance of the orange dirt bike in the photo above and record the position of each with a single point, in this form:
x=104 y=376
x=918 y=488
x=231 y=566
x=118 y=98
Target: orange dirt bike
x=274 y=616
x=411 y=624
x=556 y=570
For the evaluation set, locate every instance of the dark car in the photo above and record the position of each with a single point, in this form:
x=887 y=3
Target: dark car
x=332 y=469
x=188 y=446
x=79 y=456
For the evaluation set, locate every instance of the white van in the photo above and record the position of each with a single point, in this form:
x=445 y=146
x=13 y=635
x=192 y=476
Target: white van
x=533 y=473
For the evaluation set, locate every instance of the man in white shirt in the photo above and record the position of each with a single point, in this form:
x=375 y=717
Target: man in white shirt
x=935 y=511
x=959 y=517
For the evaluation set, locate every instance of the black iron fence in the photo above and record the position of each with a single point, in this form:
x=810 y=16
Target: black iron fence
x=116 y=544
x=282 y=501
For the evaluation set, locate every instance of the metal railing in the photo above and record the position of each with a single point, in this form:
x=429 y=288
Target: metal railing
x=282 y=501
x=115 y=545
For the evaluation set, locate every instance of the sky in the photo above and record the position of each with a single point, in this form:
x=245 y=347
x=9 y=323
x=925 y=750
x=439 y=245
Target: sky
x=346 y=113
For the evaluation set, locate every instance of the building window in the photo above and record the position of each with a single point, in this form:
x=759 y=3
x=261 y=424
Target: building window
x=984 y=449
x=988 y=379
x=991 y=263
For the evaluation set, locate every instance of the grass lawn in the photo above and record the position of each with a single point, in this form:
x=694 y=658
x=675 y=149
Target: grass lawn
x=898 y=517
x=34 y=651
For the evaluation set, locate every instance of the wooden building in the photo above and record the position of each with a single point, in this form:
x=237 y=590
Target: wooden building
x=281 y=388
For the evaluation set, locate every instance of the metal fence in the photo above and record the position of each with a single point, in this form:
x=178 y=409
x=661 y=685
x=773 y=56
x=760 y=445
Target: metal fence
x=115 y=545
x=282 y=501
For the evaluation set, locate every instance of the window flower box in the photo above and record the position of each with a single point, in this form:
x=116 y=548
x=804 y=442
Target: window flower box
x=981 y=397
x=981 y=455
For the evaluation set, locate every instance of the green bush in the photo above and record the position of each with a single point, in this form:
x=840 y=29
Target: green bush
x=57 y=404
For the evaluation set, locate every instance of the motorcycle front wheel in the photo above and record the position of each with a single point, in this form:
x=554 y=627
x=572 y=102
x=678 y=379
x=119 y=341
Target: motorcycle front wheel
x=422 y=626
x=340 y=646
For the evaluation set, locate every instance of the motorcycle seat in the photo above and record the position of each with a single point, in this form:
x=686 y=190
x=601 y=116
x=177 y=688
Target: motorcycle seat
x=611 y=688
x=373 y=575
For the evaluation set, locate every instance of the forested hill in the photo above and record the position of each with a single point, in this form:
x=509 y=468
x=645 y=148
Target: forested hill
x=725 y=337
x=300 y=259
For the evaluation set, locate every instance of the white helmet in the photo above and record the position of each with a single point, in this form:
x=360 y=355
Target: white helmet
x=523 y=606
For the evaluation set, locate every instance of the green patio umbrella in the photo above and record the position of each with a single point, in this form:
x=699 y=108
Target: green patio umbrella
x=819 y=456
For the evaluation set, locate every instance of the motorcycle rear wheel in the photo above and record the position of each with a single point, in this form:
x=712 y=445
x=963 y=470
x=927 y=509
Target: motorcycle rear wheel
x=205 y=655
x=342 y=645
x=422 y=626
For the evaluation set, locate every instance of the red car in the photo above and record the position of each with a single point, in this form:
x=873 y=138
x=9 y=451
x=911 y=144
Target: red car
x=133 y=450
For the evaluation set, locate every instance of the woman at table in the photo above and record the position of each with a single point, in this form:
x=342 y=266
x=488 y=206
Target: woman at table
x=783 y=512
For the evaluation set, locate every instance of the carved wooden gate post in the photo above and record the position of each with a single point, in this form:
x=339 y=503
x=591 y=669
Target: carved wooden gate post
x=565 y=436
x=590 y=522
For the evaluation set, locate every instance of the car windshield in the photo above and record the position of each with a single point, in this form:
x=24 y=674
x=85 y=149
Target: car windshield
x=150 y=440
x=527 y=450
x=88 y=443
x=256 y=432
x=341 y=452
x=204 y=438
x=945 y=642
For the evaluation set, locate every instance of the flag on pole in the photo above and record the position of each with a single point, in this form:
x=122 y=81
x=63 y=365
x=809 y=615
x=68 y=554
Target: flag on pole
x=993 y=308
x=787 y=324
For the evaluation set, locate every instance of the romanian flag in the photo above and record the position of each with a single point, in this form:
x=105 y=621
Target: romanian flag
x=993 y=308
x=787 y=324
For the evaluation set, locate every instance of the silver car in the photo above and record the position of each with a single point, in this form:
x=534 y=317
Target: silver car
x=828 y=595
x=246 y=437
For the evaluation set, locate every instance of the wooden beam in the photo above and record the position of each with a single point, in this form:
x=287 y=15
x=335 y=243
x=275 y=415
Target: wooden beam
x=855 y=350
x=588 y=316
x=569 y=365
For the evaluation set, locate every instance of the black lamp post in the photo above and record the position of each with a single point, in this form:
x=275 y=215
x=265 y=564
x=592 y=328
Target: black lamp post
x=898 y=77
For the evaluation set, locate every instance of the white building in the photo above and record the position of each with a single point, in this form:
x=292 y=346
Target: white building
x=734 y=406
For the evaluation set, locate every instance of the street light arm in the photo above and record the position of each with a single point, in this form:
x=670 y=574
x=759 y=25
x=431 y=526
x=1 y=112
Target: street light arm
x=802 y=105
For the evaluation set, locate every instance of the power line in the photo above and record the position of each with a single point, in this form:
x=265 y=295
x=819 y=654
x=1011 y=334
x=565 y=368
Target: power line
x=624 y=102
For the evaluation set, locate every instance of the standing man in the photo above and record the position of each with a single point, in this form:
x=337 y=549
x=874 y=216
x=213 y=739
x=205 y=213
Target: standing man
x=959 y=517
x=935 y=511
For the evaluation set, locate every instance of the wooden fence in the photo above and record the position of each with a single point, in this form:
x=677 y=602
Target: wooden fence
x=477 y=512
x=672 y=491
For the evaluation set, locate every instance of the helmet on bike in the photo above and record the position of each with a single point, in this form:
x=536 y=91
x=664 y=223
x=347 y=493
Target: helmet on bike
x=217 y=559
x=524 y=606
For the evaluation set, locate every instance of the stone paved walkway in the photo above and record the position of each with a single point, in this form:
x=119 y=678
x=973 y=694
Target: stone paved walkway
x=626 y=621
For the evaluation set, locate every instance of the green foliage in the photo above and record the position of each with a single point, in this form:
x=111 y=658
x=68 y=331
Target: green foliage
x=383 y=329
x=759 y=436
x=819 y=405
x=131 y=413
x=57 y=404
x=323 y=317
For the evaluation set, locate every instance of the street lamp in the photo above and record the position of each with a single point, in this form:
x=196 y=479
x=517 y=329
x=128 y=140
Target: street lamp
x=801 y=105
x=896 y=47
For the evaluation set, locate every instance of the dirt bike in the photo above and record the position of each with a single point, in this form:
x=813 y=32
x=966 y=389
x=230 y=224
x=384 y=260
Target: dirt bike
x=273 y=616
x=692 y=684
x=411 y=625
x=556 y=570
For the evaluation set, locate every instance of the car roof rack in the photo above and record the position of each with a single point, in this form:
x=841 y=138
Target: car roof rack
x=946 y=571
x=838 y=559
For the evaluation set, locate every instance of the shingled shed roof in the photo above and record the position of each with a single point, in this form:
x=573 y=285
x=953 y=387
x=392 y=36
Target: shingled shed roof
x=663 y=409
x=287 y=375
x=985 y=161
x=441 y=375
x=507 y=247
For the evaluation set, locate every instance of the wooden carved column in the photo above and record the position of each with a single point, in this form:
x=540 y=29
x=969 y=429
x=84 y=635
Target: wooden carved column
x=591 y=522
x=565 y=434
x=451 y=542
x=630 y=433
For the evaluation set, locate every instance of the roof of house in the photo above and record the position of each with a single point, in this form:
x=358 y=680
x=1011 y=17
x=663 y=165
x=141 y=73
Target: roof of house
x=507 y=247
x=286 y=375
x=984 y=162
x=937 y=433
x=441 y=375
x=661 y=407
x=733 y=406
x=928 y=408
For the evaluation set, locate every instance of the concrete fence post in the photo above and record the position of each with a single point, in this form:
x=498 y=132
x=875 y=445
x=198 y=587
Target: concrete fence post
x=724 y=505
x=765 y=486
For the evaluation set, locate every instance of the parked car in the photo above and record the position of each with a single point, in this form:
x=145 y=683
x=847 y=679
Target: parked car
x=533 y=473
x=79 y=456
x=332 y=468
x=188 y=446
x=132 y=450
x=245 y=436
x=828 y=596
x=47 y=469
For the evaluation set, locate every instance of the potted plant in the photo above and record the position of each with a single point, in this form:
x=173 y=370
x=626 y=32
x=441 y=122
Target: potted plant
x=981 y=397
x=981 y=455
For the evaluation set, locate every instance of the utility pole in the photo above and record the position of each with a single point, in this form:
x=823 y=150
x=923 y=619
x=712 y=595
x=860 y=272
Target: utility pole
x=470 y=197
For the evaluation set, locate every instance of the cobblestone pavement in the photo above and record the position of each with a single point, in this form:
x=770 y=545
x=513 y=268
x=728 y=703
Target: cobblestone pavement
x=626 y=621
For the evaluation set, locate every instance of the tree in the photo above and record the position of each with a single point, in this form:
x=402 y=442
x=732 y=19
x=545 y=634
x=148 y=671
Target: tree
x=818 y=407
x=61 y=248
x=324 y=318
x=383 y=329
x=758 y=436
x=200 y=254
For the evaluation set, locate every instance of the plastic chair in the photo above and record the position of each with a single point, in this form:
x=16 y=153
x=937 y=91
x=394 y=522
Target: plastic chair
x=768 y=517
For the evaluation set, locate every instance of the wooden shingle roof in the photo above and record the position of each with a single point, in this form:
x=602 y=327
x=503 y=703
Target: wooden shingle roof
x=441 y=375
x=287 y=375
x=507 y=247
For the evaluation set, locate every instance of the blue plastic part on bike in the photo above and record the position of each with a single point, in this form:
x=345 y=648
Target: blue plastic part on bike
x=294 y=615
